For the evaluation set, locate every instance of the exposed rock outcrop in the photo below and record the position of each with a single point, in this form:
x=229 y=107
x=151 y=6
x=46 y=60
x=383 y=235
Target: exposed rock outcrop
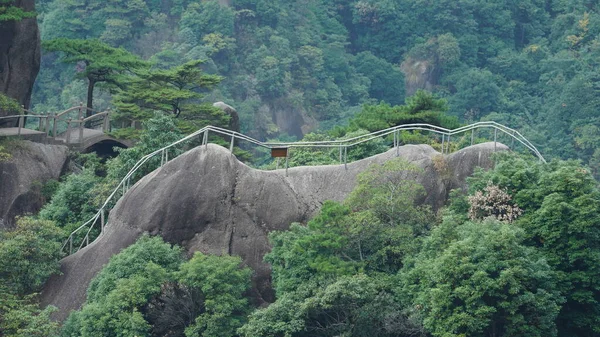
x=419 y=74
x=19 y=55
x=206 y=200
x=31 y=165
x=234 y=122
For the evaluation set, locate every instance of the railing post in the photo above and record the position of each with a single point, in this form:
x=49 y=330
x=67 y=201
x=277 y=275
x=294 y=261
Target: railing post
x=102 y=221
x=472 y=136
x=512 y=143
x=340 y=154
x=54 y=125
x=106 y=127
x=162 y=158
x=70 y=244
x=47 y=128
x=166 y=156
x=68 y=131
x=81 y=133
x=443 y=137
x=40 y=124
x=20 y=123
x=205 y=139
x=495 y=136
x=397 y=136
x=287 y=156
x=346 y=157
x=448 y=145
x=232 y=141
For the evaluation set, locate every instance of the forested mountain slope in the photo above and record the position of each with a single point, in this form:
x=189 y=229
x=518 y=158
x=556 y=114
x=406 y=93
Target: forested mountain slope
x=290 y=67
x=212 y=203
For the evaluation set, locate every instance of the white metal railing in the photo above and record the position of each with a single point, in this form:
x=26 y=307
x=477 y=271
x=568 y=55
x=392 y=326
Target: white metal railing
x=48 y=123
x=343 y=145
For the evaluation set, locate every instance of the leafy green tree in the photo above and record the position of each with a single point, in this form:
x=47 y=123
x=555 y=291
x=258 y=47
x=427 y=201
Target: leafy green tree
x=9 y=106
x=423 y=107
x=391 y=193
x=561 y=205
x=99 y=62
x=117 y=295
x=387 y=81
x=222 y=284
x=483 y=282
x=477 y=94
x=20 y=316
x=29 y=255
x=72 y=203
x=174 y=91
x=10 y=12
x=356 y=305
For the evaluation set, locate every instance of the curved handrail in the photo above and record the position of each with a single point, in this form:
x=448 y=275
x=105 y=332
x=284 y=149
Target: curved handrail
x=341 y=144
x=75 y=108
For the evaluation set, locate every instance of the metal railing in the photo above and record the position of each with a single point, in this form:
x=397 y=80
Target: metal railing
x=121 y=189
x=42 y=126
x=49 y=123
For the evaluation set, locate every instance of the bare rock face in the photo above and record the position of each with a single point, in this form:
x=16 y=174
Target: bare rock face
x=206 y=200
x=31 y=165
x=234 y=122
x=19 y=55
x=419 y=74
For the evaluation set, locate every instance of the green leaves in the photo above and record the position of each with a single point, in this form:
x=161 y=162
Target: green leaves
x=149 y=290
x=29 y=254
x=486 y=282
x=9 y=12
x=222 y=284
x=561 y=205
x=173 y=91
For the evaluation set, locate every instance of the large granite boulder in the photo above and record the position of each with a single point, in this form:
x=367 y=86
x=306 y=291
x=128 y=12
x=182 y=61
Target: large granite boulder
x=206 y=200
x=19 y=55
x=234 y=122
x=21 y=177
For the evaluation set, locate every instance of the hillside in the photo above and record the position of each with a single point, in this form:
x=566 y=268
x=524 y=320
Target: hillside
x=206 y=200
x=290 y=67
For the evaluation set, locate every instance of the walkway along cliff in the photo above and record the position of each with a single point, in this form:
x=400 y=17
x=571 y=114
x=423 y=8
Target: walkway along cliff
x=206 y=200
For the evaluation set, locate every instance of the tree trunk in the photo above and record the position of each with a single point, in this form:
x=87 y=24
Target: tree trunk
x=90 y=97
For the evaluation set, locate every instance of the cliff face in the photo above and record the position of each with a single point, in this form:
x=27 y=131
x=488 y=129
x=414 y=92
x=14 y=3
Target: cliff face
x=19 y=55
x=20 y=178
x=206 y=200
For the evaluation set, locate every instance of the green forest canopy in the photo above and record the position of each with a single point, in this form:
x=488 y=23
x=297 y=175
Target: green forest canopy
x=529 y=64
x=515 y=255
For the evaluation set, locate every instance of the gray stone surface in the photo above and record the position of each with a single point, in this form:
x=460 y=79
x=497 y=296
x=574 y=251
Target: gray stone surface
x=31 y=164
x=208 y=201
x=19 y=55
x=234 y=122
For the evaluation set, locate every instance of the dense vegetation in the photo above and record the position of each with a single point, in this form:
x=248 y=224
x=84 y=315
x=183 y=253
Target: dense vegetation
x=516 y=254
x=289 y=66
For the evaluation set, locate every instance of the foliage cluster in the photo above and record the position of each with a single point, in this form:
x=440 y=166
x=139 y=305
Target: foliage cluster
x=528 y=64
x=29 y=254
x=10 y=12
x=149 y=289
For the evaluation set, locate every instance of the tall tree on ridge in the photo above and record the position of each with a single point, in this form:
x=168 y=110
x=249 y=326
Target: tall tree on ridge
x=100 y=62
